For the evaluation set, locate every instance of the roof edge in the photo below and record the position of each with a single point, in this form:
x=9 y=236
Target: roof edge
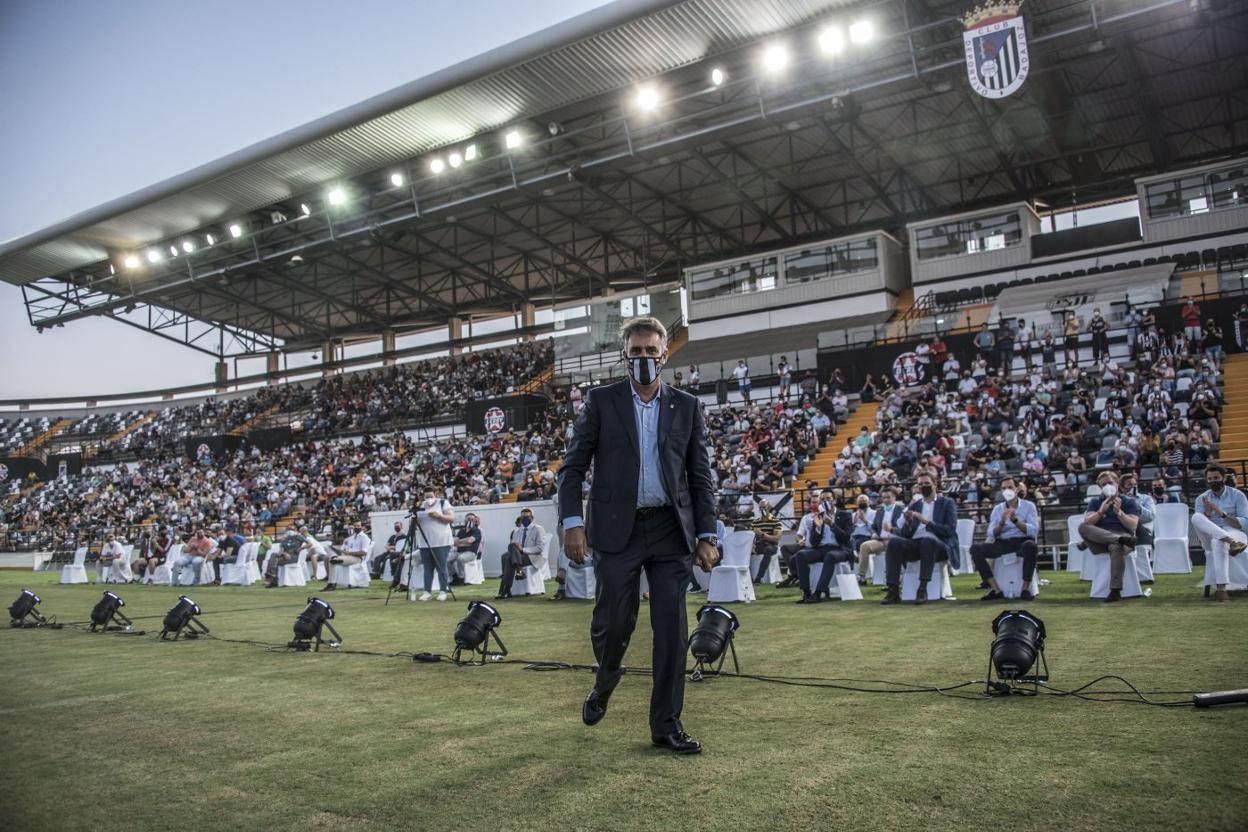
x=558 y=36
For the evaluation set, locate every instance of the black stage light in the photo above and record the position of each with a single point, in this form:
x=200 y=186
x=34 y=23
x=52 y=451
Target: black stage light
x=309 y=624
x=180 y=620
x=474 y=631
x=23 y=608
x=1018 y=642
x=108 y=611
x=714 y=632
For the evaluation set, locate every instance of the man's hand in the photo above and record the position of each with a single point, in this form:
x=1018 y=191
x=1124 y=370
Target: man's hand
x=574 y=544
x=706 y=555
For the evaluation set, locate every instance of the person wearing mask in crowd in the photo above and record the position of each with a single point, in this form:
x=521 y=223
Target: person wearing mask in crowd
x=1241 y=327
x=742 y=374
x=889 y=516
x=1161 y=493
x=860 y=523
x=1131 y=319
x=194 y=553
x=985 y=343
x=930 y=535
x=1191 y=323
x=228 y=547
x=1026 y=336
x=827 y=542
x=1070 y=342
x=315 y=552
x=785 y=373
x=151 y=552
x=1109 y=526
x=354 y=550
x=809 y=385
x=111 y=551
x=288 y=552
x=466 y=547
x=395 y=544
x=1005 y=349
x=1220 y=521
x=1098 y=327
x=1213 y=341
x=434 y=517
x=527 y=547
x=1012 y=529
x=1048 y=352
x=766 y=528
x=1148 y=507
x=694 y=378
x=789 y=550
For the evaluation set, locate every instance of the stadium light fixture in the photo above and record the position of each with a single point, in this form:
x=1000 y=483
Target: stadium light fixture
x=153 y=256
x=512 y=139
x=337 y=196
x=23 y=608
x=303 y=206
x=212 y=241
x=647 y=98
x=861 y=31
x=1018 y=641
x=437 y=165
x=474 y=630
x=309 y=625
x=181 y=620
x=173 y=251
x=775 y=58
x=188 y=246
x=236 y=231
x=108 y=612
x=112 y=269
x=831 y=40
x=714 y=633
x=470 y=153
x=455 y=159
x=396 y=179
x=718 y=77
x=131 y=262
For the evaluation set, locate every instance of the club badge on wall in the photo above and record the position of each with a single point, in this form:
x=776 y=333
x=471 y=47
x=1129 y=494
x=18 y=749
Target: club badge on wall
x=495 y=420
x=995 y=42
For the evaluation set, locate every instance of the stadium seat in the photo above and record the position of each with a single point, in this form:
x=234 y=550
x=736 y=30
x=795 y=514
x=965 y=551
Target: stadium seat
x=1239 y=252
x=1007 y=570
x=1079 y=273
x=1209 y=258
x=730 y=580
x=1150 y=261
x=1170 y=539
x=977 y=294
x=1133 y=264
x=991 y=291
x=1094 y=269
x=580 y=582
x=938 y=588
x=76 y=572
x=1165 y=258
x=1100 y=576
x=244 y=571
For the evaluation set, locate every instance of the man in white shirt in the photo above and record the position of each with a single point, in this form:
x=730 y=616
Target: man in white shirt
x=112 y=552
x=888 y=516
x=527 y=548
x=742 y=374
x=354 y=550
x=434 y=517
x=316 y=551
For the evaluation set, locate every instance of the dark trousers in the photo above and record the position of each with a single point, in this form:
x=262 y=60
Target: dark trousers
x=981 y=553
x=926 y=550
x=768 y=551
x=657 y=545
x=787 y=551
x=1100 y=345
x=513 y=559
x=829 y=556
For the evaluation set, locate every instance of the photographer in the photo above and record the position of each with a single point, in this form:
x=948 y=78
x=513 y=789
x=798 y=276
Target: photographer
x=528 y=543
x=466 y=547
x=434 y=516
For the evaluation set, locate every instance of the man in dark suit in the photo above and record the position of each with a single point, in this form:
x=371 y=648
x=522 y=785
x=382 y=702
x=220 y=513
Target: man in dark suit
x=930 y=535
x=651 y=505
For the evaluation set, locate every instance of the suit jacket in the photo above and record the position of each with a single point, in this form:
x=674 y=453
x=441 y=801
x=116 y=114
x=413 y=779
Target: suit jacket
x=894 y=517
x=605 y=435
x=944 y=525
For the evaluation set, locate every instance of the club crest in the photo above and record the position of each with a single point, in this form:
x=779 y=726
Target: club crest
x=995 y=42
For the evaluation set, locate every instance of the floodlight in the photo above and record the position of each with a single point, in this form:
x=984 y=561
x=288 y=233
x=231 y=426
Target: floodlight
x=647 y=98
x=455 y=159
x=474 y=631
x=303 y=206
x=23 y=608
x=714 y=632
x=212 y=241
x=554 y=128
x=775 y=57
x=1019 y=640
x=236 y=231
x=718 y=77
x=470 y=153
x=112 y=269
x=188 y=246
x=396 y=179
x=861 y=31
x=512 y=139
x=437 y=165
x=173 y=251
x=277 y=217
x=108 y=612
x=308 y=626
x=831 y=40
x=337 y=196
x=153 y=256
x=131 y=261
x=181 y=620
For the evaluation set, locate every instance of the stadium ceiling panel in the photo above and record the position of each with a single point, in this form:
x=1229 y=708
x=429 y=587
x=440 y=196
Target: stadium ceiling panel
x=602 y=193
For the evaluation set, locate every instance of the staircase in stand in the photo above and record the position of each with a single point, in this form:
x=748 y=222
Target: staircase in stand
x=90 y=453
x=44 y=438
x=254 y=421
x=1234 y=439
x=822 y=466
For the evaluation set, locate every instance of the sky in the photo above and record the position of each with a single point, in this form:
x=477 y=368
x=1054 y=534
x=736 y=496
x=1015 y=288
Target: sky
x=100 y=99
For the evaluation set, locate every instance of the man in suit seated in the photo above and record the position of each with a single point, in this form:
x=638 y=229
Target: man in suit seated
x=889 y=517
x=1012 y=529
x=827 y=542
x=929 y=535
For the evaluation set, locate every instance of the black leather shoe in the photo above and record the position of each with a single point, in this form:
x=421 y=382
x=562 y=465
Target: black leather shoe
x=1128 y=541
x=1026 y=595
x=993 y=596
x=1082 y=545
x=595 y=707
x=806 y=599
x=891 y=596
x=678 y=742
x=920 y=595
x=1114 y=595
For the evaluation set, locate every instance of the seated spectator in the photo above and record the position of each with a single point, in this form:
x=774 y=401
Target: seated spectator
x=194 y=553
x=1012 y=529
x=466 y=547
x=111 y=551
x=354 y=550
x=827 y=542
x=887 y=518
x=151 y=552
x=526 y=548
x=1109 y=526
x=291 y=544
x=766 y=528
x=1220 y=520
x=395 y=545
x=930 y=535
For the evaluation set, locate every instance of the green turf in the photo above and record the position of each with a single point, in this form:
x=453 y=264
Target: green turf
x=112 y=731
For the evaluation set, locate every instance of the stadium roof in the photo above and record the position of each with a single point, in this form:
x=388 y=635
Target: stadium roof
x=603 y=193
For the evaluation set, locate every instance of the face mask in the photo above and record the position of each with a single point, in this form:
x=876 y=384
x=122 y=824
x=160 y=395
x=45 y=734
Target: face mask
x=1217 y=486
x=926 y=490
x=643 y=370
x=525 y=521
x=1008 y=494
x=1109 y=490
x=1159 y=491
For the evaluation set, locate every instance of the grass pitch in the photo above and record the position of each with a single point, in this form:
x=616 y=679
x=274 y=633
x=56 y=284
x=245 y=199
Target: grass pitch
x=121 y=731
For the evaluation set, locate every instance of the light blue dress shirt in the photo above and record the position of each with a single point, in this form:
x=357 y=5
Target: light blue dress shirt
x=1232 y=501
x=1025 y=513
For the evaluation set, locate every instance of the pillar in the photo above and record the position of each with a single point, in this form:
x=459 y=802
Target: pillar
x=273 y=364
x=387 y=347
x=528 y=317
x=327 y=358
x=222 y=375
x=455 y=331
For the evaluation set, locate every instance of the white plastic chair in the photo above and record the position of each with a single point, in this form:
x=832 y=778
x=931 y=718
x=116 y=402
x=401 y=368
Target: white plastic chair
x=938 y=586
x=580 y=582
x=1100 y=576
x=1074 y=555
x=474 y=572
x=534 y=578
x=1008 y=572
x=352 y=577
x=294 y=574
x=1237 y=573
x=730 y=580
x=163 y=573
x=76 y=572
x=879 y=568
x=243 y=572
x=966 y=536
x=1170 y=539
x=118 y=571
x=844 y=583
x=773 y=568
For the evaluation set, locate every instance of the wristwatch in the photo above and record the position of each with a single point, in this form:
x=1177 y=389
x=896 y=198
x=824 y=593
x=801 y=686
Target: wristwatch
x=713 y=540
